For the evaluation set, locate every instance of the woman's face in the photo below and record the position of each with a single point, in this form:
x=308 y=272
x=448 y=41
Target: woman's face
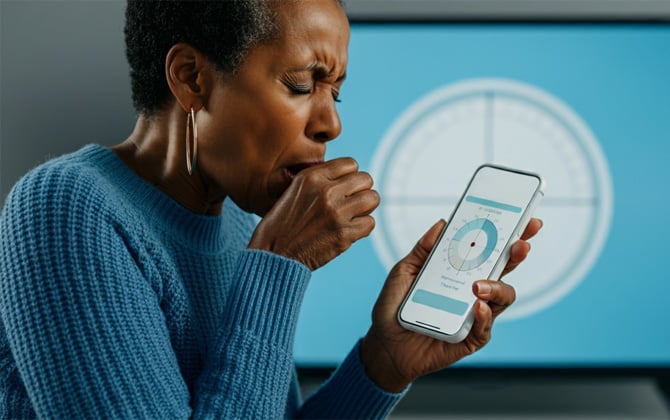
x=274 y=116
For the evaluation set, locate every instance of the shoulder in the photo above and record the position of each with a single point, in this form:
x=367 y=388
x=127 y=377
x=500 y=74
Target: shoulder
x=61 y=227
x=60 y=190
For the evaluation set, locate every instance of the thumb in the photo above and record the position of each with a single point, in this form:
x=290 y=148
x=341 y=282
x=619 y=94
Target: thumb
x=419 y=253
x=404 y=273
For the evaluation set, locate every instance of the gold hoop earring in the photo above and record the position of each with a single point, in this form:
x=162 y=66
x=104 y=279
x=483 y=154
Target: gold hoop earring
x=191 y=132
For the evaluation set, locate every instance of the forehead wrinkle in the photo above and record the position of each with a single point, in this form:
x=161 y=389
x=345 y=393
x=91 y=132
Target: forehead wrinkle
x=320 y=70
x=310 y=40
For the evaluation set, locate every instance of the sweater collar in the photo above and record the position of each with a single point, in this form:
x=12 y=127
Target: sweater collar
x=193 y=230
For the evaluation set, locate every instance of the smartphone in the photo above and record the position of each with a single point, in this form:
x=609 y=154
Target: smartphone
x=490 y=216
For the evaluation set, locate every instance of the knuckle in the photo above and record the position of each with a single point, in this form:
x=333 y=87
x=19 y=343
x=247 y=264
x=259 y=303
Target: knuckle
x=352 y=163
x=349 y=164
x=512 y=296
x=331 y=212
x=327 y=196
x=508 y=292
x=369 y=225
x=481 y=341
x=368 y=201
x=470 y=348
x=363 y=226
x=376 y=198
x=366 y=179
x=342 y=240
x=308 y=176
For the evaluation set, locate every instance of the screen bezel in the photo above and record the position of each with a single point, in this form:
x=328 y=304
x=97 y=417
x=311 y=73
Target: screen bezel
x=505 y=12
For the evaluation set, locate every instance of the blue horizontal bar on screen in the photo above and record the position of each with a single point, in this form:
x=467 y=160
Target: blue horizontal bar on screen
x=491 y=203
x=440 y=302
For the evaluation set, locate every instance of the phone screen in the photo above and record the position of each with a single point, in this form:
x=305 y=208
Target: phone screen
x=478 y=234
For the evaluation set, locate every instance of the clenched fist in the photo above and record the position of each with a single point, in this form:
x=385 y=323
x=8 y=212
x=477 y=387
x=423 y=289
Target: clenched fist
x=325 y=209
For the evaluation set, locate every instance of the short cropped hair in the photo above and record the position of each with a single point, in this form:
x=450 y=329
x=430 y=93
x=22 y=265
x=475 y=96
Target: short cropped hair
x=223 y=31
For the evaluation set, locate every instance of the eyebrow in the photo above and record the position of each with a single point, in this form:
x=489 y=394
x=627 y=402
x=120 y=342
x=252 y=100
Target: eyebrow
x=321 y=71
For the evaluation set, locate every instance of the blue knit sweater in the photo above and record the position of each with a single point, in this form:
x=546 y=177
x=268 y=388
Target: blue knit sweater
x=117 y=302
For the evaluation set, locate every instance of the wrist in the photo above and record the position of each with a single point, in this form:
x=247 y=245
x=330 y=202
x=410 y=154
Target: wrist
x=380 y=366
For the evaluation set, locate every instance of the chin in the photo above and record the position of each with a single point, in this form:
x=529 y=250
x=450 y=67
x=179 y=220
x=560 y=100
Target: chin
x=260 y=213
x=258 y=207
x=263 y=200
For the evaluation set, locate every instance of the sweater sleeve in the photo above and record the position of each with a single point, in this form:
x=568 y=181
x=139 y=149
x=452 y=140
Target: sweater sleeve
x=349 y=393
x=89 y=336
x=253 y=368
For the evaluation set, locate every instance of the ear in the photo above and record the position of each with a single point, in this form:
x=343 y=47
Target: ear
x=187 y=74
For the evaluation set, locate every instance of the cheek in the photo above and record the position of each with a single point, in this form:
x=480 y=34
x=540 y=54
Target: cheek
x=241 y=158
x=275 y=138
x=246 y=144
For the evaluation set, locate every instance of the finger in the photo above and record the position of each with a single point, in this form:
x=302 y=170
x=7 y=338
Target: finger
x=337 y=168
x=521 y=248
x=481 y=329
x=519 y=251
x=417 y=256
x=531 y=230
x=361 y=226
x=419 y=253
x=423 y=247
x=518 y=254
x=353 y=182
x=428 y=240
x=499 y=294
x=351 y=195
x=360 y=204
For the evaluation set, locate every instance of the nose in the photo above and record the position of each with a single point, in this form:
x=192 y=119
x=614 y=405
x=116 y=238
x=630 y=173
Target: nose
x=324 y=124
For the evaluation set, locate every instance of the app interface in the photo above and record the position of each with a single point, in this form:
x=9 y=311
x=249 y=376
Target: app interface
x=473 y=242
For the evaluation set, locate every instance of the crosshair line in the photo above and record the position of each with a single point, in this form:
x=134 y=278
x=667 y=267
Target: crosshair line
x=489 y=148
x=467 y=254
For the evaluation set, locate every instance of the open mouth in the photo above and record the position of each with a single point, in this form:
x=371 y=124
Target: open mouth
x=293 y=170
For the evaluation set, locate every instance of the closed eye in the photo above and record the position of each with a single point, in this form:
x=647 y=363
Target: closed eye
x=300 y=89
x=336 y=95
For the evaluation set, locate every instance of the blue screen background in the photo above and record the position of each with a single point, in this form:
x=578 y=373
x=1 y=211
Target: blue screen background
x=617 y=78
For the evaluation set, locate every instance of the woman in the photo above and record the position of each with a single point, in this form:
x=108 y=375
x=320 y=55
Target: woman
x=134 y=281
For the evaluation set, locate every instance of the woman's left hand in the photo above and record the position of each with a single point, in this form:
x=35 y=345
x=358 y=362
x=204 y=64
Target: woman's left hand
x=393 y=356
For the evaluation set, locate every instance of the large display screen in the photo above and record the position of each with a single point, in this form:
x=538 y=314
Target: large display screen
x=585 y=105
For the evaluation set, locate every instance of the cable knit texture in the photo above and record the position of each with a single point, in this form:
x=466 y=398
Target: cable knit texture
x=117 y=302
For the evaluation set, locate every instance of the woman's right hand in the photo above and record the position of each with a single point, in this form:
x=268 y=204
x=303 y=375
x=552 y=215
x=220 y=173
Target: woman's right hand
x=325 y=209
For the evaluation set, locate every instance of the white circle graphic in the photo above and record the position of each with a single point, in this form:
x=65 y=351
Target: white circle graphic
x=472 y=244
x=425 y=159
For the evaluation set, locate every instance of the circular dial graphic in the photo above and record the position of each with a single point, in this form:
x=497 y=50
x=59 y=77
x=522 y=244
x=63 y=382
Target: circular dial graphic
x=473 y=244
x=425 y=159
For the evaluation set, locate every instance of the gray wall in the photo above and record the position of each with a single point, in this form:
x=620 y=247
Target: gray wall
x=63 y=81
x=64 y=78
x=570 y=10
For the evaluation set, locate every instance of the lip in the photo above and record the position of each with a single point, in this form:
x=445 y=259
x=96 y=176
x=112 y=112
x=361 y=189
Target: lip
x=290 y=171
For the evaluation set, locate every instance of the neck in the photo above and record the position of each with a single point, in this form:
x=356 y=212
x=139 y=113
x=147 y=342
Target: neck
x=156 y=151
